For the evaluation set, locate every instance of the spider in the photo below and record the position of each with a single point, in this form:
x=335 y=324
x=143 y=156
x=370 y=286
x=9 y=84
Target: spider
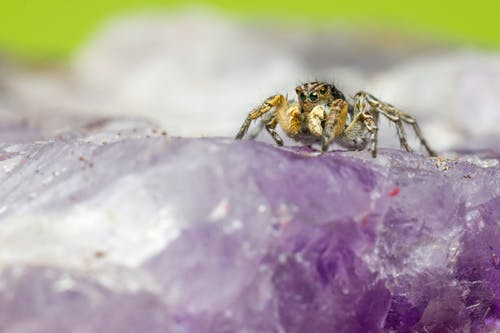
x=323 y=115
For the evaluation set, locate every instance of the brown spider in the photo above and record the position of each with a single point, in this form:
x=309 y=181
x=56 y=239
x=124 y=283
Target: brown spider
x=323 y=115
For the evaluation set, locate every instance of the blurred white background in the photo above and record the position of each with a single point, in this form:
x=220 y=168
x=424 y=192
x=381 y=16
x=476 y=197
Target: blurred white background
x=196 y=73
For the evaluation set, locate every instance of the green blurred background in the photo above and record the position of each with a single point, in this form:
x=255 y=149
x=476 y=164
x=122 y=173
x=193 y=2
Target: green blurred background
x=52 y=29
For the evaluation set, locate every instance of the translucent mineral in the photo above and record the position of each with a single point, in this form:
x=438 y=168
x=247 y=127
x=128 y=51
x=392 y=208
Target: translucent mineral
x=115 y=226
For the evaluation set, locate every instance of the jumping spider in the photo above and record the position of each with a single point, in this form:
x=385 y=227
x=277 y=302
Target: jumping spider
x=323 y=115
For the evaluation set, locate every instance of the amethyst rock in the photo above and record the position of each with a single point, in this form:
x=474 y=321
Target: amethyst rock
x=132 y=231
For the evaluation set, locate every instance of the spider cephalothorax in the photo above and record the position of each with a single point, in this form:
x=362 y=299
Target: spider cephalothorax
x=316 y=93
x=323 y=115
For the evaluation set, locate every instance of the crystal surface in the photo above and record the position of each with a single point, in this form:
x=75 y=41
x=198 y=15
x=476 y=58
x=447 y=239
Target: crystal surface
x=116 y=227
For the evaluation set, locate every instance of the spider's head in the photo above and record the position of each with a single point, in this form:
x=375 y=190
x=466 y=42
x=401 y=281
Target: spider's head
x=316 y=93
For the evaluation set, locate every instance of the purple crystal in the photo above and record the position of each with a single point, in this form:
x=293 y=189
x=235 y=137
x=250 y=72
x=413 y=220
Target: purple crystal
x=129 y=231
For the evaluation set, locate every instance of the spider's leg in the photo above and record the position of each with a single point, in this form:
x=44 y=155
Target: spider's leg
x=335 y=123
x=368 y=118
x=410 y=120
x=402 y=136
x=370 y=122
x=398 y=117
x=269 y=103
x=362 y=122
x=255 y=133
x=270 y=127
x=260 y=126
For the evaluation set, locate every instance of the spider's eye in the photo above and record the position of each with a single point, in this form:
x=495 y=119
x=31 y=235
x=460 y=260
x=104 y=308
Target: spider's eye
x=322 y=91
x=313 y=97
x=303 y=97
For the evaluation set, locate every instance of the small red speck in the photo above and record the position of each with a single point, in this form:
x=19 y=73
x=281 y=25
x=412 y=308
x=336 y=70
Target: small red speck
x=285 y=223
x=394 y=192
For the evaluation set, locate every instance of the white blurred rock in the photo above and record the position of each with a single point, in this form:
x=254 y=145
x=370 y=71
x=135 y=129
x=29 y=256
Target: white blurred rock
x=457 y=93
x=199 y=74
x=195 y=74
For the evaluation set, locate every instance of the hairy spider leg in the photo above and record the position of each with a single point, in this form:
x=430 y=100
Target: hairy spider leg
x=264 y=120
x=269 y=103
x=270 y=127
x=335 y=122
x=393 y=114
x=369 y=119
x=410 y=120
x=398 y=117
x=269 y=122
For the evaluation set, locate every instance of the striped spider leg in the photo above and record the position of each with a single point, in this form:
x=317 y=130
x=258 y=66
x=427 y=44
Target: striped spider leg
x=365 y=113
